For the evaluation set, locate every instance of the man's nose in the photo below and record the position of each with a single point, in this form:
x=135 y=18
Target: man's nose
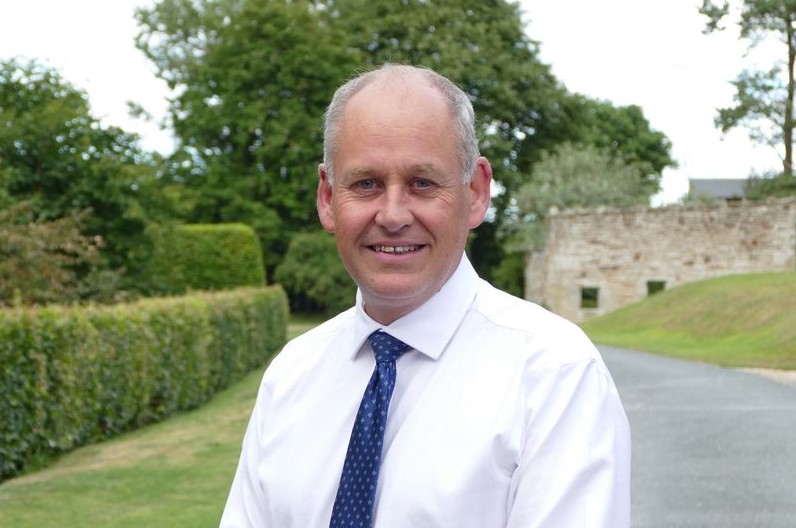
x=394 y=211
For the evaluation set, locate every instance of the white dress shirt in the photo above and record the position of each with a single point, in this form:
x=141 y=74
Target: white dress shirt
x=503 y=416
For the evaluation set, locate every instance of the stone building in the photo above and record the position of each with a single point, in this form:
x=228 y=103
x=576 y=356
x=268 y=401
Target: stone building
x=596 y=261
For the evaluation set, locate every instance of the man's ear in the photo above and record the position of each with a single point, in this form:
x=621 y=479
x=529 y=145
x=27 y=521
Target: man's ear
x=323 y=200
x=480 y=192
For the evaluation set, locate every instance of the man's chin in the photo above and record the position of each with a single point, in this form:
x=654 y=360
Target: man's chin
x=394 y=299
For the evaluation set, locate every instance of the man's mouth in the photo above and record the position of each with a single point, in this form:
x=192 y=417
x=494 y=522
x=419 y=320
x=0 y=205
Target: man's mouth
x=396 y=249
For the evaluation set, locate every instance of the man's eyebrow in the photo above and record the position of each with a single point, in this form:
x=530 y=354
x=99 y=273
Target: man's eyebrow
x=357 y=172
x=424 y=168
x=414 y=169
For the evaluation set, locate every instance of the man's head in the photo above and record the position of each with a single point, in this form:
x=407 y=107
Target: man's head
x=408 y=184
x=459 y=104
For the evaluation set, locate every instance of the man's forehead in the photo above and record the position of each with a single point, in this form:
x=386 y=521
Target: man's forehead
x=395 y=90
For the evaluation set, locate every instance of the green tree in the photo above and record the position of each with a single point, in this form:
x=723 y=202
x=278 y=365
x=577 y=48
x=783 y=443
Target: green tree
x=578 y=176
x=622 y=131
x=58 y=158
x=253 y=79
x=764 y=99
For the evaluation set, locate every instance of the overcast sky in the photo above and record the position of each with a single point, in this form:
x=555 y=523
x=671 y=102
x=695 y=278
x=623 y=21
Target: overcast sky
x=651 y=53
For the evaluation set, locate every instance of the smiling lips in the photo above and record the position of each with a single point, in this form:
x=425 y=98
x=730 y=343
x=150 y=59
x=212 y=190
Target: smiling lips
x=396 y=249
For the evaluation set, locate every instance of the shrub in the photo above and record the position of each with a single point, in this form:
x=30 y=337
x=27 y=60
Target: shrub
x=208 y=257
x=72 y=376
x=40 y=259
x=765 y=186
x=313 y=275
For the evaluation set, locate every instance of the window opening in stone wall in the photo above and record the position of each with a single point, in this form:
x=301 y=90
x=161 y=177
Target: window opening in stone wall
x=654 y=287
x=589 y=297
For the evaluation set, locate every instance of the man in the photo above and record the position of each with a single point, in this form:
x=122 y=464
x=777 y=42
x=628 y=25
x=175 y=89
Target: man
x=502 y=414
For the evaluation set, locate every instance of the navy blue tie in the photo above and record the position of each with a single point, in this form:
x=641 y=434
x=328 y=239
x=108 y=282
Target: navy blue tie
x=356 y=495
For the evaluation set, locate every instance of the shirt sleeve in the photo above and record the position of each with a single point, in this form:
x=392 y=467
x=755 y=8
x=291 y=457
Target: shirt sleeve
x=574 y=469
x=246 y=501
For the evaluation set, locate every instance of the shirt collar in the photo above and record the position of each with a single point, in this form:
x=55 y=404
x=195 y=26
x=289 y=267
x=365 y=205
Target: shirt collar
x=430 y=327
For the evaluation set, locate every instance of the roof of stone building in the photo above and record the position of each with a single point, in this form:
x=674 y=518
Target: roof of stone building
x=717 y=188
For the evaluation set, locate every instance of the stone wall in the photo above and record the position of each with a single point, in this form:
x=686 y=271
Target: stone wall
x=620 y=252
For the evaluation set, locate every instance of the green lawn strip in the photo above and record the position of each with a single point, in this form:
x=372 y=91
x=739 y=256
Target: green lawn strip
x=734 y=321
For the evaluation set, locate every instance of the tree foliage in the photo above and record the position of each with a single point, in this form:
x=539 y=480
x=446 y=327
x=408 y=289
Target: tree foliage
x=764 y=99
x=56 y=157
x=579 y=176
x=313 y=276
x=622 y=131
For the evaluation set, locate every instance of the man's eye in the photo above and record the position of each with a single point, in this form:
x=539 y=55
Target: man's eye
x=422 y=184
x=366 y=185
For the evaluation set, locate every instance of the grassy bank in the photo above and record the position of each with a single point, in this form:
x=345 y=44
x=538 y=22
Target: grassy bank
x=738 y=321
x=173 y=474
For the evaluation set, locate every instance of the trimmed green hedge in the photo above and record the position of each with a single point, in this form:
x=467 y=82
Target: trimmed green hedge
x=70 y=376
x=208 y=257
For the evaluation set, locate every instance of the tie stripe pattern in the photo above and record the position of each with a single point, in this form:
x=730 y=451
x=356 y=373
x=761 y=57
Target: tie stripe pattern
x=356 y=495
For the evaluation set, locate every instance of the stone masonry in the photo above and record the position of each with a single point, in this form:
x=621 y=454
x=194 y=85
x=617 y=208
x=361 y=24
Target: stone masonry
x=612 y=257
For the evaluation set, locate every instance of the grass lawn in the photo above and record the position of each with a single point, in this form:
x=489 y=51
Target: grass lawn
x=172 y=474
x=735 y=321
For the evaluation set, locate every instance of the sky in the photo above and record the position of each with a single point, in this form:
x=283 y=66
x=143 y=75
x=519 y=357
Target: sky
x=650 y=53
x=91 y=42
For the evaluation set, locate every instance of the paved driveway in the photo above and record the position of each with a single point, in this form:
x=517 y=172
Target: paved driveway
x=712 y=447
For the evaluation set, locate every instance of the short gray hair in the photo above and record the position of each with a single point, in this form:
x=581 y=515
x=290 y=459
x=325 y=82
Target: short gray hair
x=458 y=103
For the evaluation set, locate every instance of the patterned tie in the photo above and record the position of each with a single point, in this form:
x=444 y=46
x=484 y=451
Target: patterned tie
x=356 y=495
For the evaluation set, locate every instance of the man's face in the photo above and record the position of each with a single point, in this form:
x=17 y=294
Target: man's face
x=398 y=208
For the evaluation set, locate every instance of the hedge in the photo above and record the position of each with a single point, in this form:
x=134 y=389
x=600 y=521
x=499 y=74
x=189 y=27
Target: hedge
x=70 y=376
x=207 y=257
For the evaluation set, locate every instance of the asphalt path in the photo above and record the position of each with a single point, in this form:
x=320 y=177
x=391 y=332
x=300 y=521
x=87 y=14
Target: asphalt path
x=712 y=447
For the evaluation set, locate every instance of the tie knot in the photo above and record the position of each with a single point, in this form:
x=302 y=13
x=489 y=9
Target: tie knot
x=385 y=347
